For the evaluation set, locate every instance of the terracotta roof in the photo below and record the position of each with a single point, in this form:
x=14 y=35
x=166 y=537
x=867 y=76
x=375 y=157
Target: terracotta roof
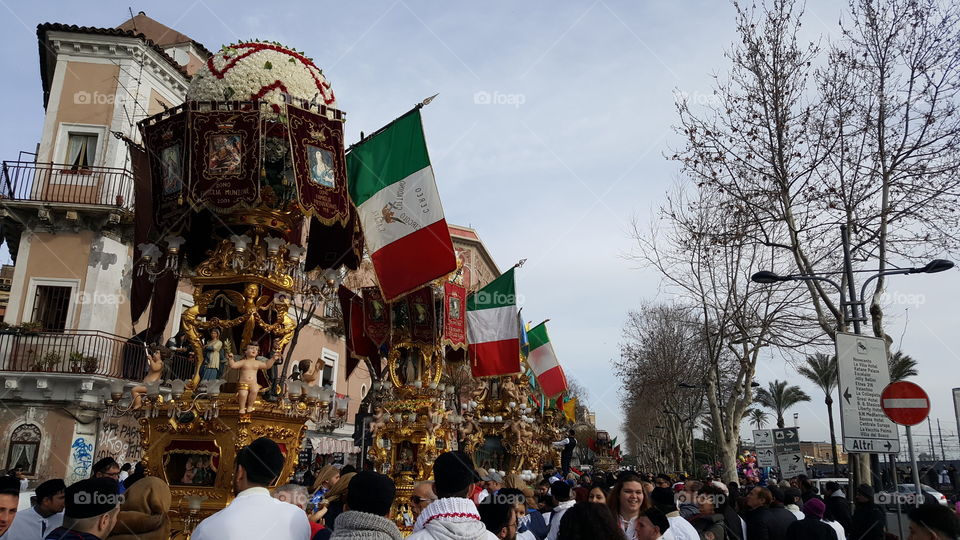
x=160 y=33
x=47 y=54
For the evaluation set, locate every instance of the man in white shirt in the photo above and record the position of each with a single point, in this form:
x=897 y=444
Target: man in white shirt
x=253 y=512
x=563 y=496
x=36 y=522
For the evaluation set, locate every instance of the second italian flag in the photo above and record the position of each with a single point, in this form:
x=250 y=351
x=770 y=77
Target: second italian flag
x=492 y=330
x=391 y=181
x=543 y=362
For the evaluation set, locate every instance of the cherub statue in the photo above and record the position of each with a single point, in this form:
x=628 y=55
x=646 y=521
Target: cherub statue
x=479 y=392
x=156 y=356
x=379 y=420
x=509 y=390
x=249 y=365
x=469 y=426
x=516 y=430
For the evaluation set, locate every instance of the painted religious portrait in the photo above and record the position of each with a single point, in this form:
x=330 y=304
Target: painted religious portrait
x=191 y=469
x=170 y=159
x=454 y=307
x=321 y=166
x=224 y=154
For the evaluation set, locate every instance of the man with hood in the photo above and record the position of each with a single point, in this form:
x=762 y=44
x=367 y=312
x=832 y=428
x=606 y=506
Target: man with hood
x=452 y=516
x=838 y=507
x=811 y=527
x=869 y=521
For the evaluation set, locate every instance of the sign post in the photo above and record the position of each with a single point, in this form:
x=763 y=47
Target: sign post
x=907 y=404
x=763 y=440
x=863 y=374
x=786 y=444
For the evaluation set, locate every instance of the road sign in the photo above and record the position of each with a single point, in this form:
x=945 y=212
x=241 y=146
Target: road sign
x=905 y=403
x=763 y=438
x=766 y=457
x=786 y=445
x=864 y=374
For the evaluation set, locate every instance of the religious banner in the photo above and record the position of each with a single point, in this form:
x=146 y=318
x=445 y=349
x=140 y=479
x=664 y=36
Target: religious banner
x=400 y=324
x=359 y=346
x=423 y=318
x=166 y=136
x=454 y=316
x=376 y=316
x=224 y=158
x=316 y=149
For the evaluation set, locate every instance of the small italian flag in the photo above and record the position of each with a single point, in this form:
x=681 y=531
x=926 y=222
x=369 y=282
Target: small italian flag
x=543 y=362
x=492 y=331
x=391 y=182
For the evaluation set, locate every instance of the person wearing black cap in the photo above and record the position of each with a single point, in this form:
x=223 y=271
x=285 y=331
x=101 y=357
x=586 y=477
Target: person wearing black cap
x=9 y=501
x=369 y=498
x=254 y=513
x=664 y=500
x=452 y=516
x=869 y=521
x=933 y=522
x=90 y=510
x=563 y=500
x=34 y=523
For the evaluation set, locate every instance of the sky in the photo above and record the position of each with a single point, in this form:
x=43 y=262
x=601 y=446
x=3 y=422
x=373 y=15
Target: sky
x=548 y=137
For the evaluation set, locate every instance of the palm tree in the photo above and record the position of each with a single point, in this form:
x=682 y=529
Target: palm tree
x=779 y=397
x=821 y=370
x=902 y=366
x=757 y=417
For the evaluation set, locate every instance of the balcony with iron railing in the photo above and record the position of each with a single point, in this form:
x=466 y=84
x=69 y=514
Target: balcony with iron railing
x=67 y=185
x=82 y=351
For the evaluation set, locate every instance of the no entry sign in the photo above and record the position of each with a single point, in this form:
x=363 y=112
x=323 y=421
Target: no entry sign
x=905 y=403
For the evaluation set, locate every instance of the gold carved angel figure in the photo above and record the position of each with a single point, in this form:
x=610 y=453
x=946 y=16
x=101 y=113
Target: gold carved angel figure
x=248 y=303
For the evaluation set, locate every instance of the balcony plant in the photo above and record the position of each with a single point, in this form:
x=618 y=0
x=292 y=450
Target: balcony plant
x=90 y=364
x=31 y=327
x=76 y=361
x=49 y=362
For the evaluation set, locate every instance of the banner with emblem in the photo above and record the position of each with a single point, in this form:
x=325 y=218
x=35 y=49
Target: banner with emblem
x=454 y=316
x=400 y=323
x=319 y=166
x=376 y=316
x=165 y=134
x=225 y=150
x=423 y=317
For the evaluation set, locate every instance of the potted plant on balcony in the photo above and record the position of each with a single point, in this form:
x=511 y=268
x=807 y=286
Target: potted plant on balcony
x=48 y=362
x=76 y=361
x=7 y=328
x=30 y=328
x=90 y=364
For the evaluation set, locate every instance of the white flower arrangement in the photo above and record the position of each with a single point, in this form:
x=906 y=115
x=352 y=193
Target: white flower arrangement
x=265 y=71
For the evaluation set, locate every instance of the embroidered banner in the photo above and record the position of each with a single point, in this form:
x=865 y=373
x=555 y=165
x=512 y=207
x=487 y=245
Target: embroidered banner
x=376 y=316
x=167 y=139
x=319 y=166
x=224 y=158
x=400 y=323
x=454 y=316
x=359 y=346
x=423 y=318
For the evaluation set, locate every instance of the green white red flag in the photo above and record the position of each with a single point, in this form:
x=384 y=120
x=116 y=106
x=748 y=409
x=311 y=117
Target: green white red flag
x=391 y=182
x=492 y=331
x=543 y=362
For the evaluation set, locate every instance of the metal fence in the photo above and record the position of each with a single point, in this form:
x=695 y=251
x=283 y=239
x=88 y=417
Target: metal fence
x=83 y=351
x=53 y=182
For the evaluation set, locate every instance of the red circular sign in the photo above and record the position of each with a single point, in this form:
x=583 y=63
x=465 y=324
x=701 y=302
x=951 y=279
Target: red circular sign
x=905 y=403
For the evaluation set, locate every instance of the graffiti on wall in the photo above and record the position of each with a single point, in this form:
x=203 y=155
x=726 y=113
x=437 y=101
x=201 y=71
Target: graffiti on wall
x=81 y=459
x=119 y=440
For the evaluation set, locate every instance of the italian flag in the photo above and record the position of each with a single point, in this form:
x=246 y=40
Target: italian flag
x=543 y=362
x=492 y=331
x=391 y=182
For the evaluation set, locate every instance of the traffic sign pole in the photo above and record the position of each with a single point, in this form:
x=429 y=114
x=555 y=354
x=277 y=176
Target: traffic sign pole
x=913 y=465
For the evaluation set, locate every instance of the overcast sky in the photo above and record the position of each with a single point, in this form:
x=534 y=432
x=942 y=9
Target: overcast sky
x=548 y=137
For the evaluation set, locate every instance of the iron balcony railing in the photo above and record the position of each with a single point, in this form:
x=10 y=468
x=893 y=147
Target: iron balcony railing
x=59 y=183
x=83 y=351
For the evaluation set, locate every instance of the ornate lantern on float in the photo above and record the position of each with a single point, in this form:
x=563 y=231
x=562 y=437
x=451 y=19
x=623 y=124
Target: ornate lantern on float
x=241 y=190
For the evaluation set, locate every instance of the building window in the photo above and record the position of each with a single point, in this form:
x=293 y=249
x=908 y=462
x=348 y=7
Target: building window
x=81 y=150
x=24 y=448
x=329 y=375
x=50 y=307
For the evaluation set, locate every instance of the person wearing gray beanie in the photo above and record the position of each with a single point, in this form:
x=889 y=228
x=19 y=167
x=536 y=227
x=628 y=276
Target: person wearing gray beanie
x=369 y=498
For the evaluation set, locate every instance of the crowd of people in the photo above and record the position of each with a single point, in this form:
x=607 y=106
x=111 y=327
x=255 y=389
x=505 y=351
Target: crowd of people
x=461 y=502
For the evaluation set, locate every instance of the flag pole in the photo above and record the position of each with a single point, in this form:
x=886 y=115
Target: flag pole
x=416 y=107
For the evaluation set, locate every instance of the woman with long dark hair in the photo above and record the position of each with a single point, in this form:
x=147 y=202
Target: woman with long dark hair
x=627 y=500
x=589 y=521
